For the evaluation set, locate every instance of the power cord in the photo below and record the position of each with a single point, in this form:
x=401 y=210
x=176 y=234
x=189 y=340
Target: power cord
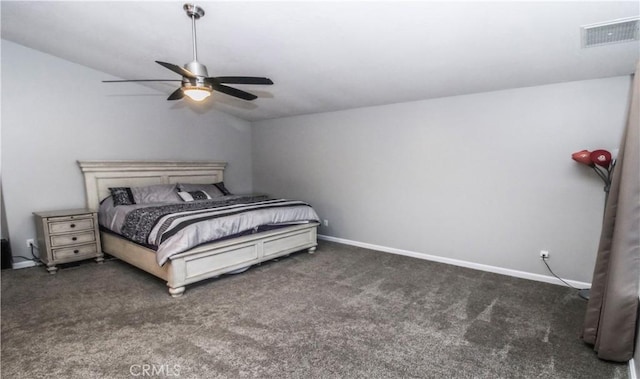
x=544 y=260
x=582 y=293
x=25 y=258
x=32 y=254
x=34 y=258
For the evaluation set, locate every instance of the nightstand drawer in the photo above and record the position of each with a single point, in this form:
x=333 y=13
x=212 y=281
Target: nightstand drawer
x=73 y=238
x=75 y=251
x=70 y=226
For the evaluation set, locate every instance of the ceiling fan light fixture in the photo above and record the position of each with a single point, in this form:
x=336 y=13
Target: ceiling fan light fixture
x=197 y=93
x=196 y=83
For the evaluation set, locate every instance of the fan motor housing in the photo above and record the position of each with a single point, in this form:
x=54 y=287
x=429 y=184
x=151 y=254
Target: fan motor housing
x=197 y=68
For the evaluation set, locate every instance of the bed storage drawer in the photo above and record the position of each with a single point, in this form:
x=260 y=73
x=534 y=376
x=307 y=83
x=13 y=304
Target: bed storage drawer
x=198 y=265
x=289 y=242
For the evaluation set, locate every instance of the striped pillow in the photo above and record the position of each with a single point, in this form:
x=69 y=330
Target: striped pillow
x=194 y=195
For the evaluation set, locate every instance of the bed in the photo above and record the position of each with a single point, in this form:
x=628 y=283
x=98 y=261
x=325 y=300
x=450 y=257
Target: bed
x=201 y=262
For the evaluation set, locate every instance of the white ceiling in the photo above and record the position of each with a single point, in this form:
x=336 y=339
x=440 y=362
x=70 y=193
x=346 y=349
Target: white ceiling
x=326 y=56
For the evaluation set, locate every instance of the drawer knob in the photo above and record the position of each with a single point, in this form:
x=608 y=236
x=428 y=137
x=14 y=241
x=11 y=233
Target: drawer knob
x=74 y=238
x=73 y=225
x=76 y=251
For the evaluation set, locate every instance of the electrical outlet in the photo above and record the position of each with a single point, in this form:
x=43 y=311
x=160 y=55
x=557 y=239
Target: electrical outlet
x=544 y=254
x=325 y=222
x=30 y=242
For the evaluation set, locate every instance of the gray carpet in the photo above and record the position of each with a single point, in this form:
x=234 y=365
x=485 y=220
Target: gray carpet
x=344 y=312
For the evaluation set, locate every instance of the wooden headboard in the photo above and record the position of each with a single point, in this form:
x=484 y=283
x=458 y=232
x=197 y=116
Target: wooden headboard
x=100 y=175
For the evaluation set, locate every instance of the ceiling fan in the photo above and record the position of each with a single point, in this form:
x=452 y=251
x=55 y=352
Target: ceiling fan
x=196 y=83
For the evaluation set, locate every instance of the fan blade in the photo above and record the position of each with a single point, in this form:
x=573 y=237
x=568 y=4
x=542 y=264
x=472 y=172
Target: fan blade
x=242 y=80
x=176 y=95
x=141 y=80
x=177 y=69
x=234 y=92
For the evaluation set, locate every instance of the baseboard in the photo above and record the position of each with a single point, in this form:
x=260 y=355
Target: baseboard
x=632 y=369
x=458 y=262
x=24 y=264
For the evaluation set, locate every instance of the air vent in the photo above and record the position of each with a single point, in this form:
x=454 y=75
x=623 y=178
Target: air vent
x=606 y=33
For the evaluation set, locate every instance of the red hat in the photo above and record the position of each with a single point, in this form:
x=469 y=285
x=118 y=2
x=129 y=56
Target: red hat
x=601 y=158
x=583 y=156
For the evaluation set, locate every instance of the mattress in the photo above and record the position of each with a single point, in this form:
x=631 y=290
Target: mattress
x=172 y=228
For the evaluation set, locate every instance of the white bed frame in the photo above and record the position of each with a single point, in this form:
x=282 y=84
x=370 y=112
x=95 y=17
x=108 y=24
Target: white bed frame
x=205 y=261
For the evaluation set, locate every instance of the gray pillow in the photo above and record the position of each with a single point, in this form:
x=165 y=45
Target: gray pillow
x=159 y=193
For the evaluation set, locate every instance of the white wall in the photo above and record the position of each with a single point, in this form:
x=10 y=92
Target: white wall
x=484 y=178
x=55 y=112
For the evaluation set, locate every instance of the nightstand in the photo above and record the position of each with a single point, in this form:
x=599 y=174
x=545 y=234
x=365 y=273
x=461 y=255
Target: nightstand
x=67 y=236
